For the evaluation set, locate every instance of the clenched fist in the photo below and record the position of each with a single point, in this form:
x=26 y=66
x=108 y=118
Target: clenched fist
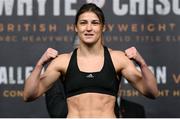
x=133 y=54
x=49 y=54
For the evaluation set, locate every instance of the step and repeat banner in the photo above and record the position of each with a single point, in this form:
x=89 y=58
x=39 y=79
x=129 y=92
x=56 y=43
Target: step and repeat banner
x=29 y=27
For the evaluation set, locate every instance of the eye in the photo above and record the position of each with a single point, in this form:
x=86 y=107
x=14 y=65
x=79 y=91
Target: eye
x=82 y=22
x=96 y=22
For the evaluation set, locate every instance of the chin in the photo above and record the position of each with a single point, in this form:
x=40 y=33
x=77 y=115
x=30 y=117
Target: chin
x=89 y=43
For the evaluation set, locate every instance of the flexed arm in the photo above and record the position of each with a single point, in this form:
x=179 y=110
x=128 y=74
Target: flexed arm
x=145 y=80
x=36 y=84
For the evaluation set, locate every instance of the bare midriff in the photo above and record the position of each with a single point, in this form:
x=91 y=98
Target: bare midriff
x=91 y=105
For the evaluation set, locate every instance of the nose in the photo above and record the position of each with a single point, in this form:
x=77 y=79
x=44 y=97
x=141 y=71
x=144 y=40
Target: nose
x=89 y=27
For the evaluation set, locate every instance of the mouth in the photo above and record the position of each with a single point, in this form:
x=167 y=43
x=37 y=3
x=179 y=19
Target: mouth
x=89 y=34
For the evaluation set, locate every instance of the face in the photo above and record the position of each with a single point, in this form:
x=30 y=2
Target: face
x=89 y=28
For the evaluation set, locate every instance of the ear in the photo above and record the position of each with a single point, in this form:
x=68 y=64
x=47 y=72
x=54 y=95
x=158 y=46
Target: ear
x=75 y=28
x=104 y=28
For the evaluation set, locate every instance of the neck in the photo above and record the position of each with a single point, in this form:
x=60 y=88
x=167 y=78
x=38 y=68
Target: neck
x=91 y=50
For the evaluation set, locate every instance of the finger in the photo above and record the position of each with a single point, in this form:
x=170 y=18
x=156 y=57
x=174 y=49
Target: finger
x=131 y=49
x=52 y=51
x=130 y=56
x=128 y=51
x=51 y=55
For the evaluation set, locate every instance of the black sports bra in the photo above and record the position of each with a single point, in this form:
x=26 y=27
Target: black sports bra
x=77 y=82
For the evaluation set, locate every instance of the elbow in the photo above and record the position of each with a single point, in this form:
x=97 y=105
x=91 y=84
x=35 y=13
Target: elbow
x=153 y=95
x=156 y=94
x=27 y=98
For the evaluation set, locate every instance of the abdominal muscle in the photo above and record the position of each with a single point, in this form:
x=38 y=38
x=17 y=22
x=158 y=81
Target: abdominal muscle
x=91 y=105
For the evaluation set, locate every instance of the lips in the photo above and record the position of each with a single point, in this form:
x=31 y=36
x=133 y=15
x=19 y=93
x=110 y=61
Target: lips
x=88 y=34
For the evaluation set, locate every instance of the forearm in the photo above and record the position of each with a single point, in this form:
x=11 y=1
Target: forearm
x=146 y=81
x=149 y=80
x=35 y=84
x=32 y=83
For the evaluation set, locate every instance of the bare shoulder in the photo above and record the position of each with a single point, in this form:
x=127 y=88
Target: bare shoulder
x=119 y=59
x=63 y=57
x=61 y=62
x=116 y=53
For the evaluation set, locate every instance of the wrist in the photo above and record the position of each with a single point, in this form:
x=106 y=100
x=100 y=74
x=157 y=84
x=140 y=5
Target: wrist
x=143 y=65
x=39 y=64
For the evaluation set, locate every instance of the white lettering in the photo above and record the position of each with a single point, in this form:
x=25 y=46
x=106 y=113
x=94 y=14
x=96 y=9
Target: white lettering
x=143 y=7
x=56 y=8
x=8 y=6
x=41 y=8
x=150 y=9
x=3 y=75
x=176 y=7
x=22 y=4
x=163 y=9
x=68 y=10
x=11 y=75
x=133 y=7
x=119 y=7
x=19 y=75
x=15 y=75
x=161 y=74
x=119 y=11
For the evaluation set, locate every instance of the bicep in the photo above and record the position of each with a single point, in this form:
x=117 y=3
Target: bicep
x=125 y=66
x=128 y=70
x=131 y=73
x=48 y=78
